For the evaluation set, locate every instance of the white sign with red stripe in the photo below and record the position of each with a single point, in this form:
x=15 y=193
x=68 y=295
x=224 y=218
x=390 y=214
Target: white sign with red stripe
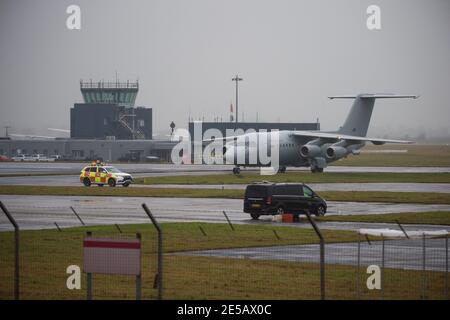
x=112 y=256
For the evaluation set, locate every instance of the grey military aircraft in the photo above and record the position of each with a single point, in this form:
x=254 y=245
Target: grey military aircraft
x=314 y=149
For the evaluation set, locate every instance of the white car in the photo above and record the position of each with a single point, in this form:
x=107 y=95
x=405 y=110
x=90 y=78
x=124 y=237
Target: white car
x=23 y=157
x=54 y=157
x=40 y=157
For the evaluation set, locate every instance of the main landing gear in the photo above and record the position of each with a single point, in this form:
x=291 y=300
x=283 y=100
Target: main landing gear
x=316 y=170
x=236 y=170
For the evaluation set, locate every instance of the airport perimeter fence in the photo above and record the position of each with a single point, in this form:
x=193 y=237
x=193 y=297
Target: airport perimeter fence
x=228 y=261
x=408 y=268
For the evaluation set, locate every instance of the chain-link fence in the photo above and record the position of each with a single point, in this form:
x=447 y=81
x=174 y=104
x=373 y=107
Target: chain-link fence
x=255 y=260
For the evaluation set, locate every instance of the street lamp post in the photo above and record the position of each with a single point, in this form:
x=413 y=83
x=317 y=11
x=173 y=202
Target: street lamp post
x=237 y=79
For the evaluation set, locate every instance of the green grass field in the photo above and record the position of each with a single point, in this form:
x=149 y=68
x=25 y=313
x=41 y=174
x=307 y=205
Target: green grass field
x=305 y=177
x=417 y=155
x=46 y=254
x=436 y=218
x=357 y=196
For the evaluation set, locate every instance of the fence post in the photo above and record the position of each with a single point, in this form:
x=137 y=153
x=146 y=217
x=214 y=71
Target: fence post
x=89 y=277
x=160 y=251
x=403 y=230
x=16 y=251
x=59 y=229
x=139 y=277
x=228 y=220
x=446 y=267
x=76 y=214
x=322 y=255
x=382 y=267
x=423 y=267
x=358 y=295
x=202 y=231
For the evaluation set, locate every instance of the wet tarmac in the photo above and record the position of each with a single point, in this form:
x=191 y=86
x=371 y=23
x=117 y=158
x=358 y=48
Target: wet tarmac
x=35 y=212
x=392 y=187
x=399 y=254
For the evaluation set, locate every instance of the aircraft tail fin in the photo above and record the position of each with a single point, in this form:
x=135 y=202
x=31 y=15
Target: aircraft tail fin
x=358 y=119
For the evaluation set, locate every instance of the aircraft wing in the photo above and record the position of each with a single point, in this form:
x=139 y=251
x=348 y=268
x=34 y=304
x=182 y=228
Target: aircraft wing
x=326 y=135
x=375 y=95
x=337 y=136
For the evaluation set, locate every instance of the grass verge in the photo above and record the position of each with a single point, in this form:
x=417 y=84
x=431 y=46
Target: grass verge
x=417 y=155
x=305 y=177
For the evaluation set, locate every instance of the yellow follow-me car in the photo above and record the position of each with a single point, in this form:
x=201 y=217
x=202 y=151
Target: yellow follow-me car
x=100 y=174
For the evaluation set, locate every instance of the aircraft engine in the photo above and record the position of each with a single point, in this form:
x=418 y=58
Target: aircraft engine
x=310 y=151
x=336 y=152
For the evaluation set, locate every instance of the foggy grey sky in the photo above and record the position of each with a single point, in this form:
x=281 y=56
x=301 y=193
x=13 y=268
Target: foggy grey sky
x=292 y=54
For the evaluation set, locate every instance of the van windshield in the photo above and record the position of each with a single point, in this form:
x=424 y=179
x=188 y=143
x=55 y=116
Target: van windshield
x=256 y=191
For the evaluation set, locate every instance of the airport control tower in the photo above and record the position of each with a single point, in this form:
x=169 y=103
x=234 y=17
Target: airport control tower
x=110 y=92
x=108 y=112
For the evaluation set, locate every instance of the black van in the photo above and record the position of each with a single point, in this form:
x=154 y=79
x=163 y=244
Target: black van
x=278 y=198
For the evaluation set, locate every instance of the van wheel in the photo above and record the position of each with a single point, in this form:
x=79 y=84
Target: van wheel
x=112 y=182
x=254 y=216
x=320 y=211
x=87 y=182
x=280 y=210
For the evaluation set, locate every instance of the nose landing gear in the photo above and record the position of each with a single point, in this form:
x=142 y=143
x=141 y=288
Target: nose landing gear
x=282 y=169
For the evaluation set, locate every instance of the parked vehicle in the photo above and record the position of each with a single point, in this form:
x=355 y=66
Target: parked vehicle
x=278 y=198
x=4 y=158
x=39 y=157
x=55 y=157
x=23 y=157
